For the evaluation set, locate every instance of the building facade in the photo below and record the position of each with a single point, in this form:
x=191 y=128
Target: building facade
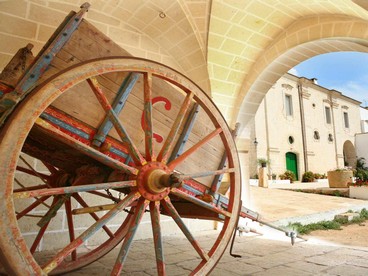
x=301 y=126
x=364 y=119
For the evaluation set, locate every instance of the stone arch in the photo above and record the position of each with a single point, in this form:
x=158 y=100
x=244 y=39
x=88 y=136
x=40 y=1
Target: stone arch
x=349 y=154
x=305 y=38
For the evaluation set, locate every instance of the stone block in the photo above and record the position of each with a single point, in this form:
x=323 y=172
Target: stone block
x=18 y=8
x=44 y=33
x=13 y=25
x=347 y=270
x=46 y=15
x=347 y=216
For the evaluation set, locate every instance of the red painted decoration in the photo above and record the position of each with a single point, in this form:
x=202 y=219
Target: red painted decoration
x=167 y=106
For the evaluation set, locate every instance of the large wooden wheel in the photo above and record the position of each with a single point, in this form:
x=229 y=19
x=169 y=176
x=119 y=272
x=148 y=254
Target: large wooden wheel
x=92 y=157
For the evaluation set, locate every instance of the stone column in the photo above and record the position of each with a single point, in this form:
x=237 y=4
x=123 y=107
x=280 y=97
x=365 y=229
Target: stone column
x=262 y=177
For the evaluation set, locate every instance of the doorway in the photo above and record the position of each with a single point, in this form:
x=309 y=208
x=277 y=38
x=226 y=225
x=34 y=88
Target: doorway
x=292 y=164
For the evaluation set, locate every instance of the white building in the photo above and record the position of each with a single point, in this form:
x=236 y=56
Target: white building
x=301 y=126
x=364 y=119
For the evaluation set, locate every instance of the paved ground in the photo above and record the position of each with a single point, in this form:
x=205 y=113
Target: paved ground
x=267 y=254
x=261 y=255
x=283 y=206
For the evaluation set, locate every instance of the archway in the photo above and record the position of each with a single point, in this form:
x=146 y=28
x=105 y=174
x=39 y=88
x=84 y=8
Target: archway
x=286 y=52
x=349 y=154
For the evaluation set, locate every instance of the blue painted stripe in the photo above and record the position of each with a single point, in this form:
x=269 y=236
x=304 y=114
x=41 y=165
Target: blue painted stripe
x=79 y=132
x=118 y=152
x=191 y=189
x=66 y=126
x=122 y=95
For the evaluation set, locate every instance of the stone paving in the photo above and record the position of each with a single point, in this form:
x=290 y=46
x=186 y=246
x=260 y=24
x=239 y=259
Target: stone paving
x=269 y=254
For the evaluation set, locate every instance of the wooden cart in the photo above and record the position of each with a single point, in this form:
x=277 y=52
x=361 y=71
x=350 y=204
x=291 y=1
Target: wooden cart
x=91 y=132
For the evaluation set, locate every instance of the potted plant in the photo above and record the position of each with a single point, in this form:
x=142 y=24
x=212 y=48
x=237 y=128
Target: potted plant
x=288 y=175
x=359 y=188
x=308 y=176
x=263 y=162
x=339 y=178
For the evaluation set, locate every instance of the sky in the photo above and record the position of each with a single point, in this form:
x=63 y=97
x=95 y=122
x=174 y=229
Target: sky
x=346 y=72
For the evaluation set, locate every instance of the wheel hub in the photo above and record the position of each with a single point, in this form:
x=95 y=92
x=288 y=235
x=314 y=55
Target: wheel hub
x=155 y=180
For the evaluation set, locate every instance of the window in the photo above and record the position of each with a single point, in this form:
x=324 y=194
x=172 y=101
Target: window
x=346 y=120
x=328 y=115
x=316 y=135
x=330 y=137
x=288 y=105
x=291 y=139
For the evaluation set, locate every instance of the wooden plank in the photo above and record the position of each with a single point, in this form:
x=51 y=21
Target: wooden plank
x=89 y=43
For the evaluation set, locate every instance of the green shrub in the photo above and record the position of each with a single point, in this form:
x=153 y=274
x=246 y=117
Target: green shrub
x=326 y=225
x=361 y=170
x=364 y=213
x=319 y=176
x=288 y=175
x=308 y=177
x=337 y=193
x=263 y=161
x=323 y=225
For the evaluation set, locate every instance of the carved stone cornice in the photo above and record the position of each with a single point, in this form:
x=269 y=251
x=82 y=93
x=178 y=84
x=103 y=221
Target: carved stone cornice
x=332 y=103
x=345 y=107
x=287 y=86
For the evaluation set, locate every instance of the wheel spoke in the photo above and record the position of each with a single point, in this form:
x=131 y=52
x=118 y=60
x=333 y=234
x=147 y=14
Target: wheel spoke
x=169 y=142
x=200 y=203
x=147 y=115
x=68 y=211
x=27 y=188
x=38 y=238
x=32 y=169
x=175 y=215
x=157 y=237
x=187 y=129
x=78 y=145
x=32 y=206
x=93 y=215
x=60 y=200
x=133 y=150
x=93 y=209
x=193 y=149
x=118 y=104
x=139 y=212
x=52 y=169
x=74 y=189
x=41 y=232
x=61 y=255
x=33 y=172
x=204 y=174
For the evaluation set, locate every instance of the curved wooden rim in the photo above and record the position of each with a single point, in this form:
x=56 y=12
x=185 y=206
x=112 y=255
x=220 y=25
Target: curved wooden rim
x=14 y=133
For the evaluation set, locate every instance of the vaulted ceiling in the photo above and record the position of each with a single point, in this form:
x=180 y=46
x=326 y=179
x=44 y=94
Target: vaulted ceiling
x=235 y=50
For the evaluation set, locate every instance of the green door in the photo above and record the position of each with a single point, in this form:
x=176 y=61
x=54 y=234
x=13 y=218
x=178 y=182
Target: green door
x=292 y=164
